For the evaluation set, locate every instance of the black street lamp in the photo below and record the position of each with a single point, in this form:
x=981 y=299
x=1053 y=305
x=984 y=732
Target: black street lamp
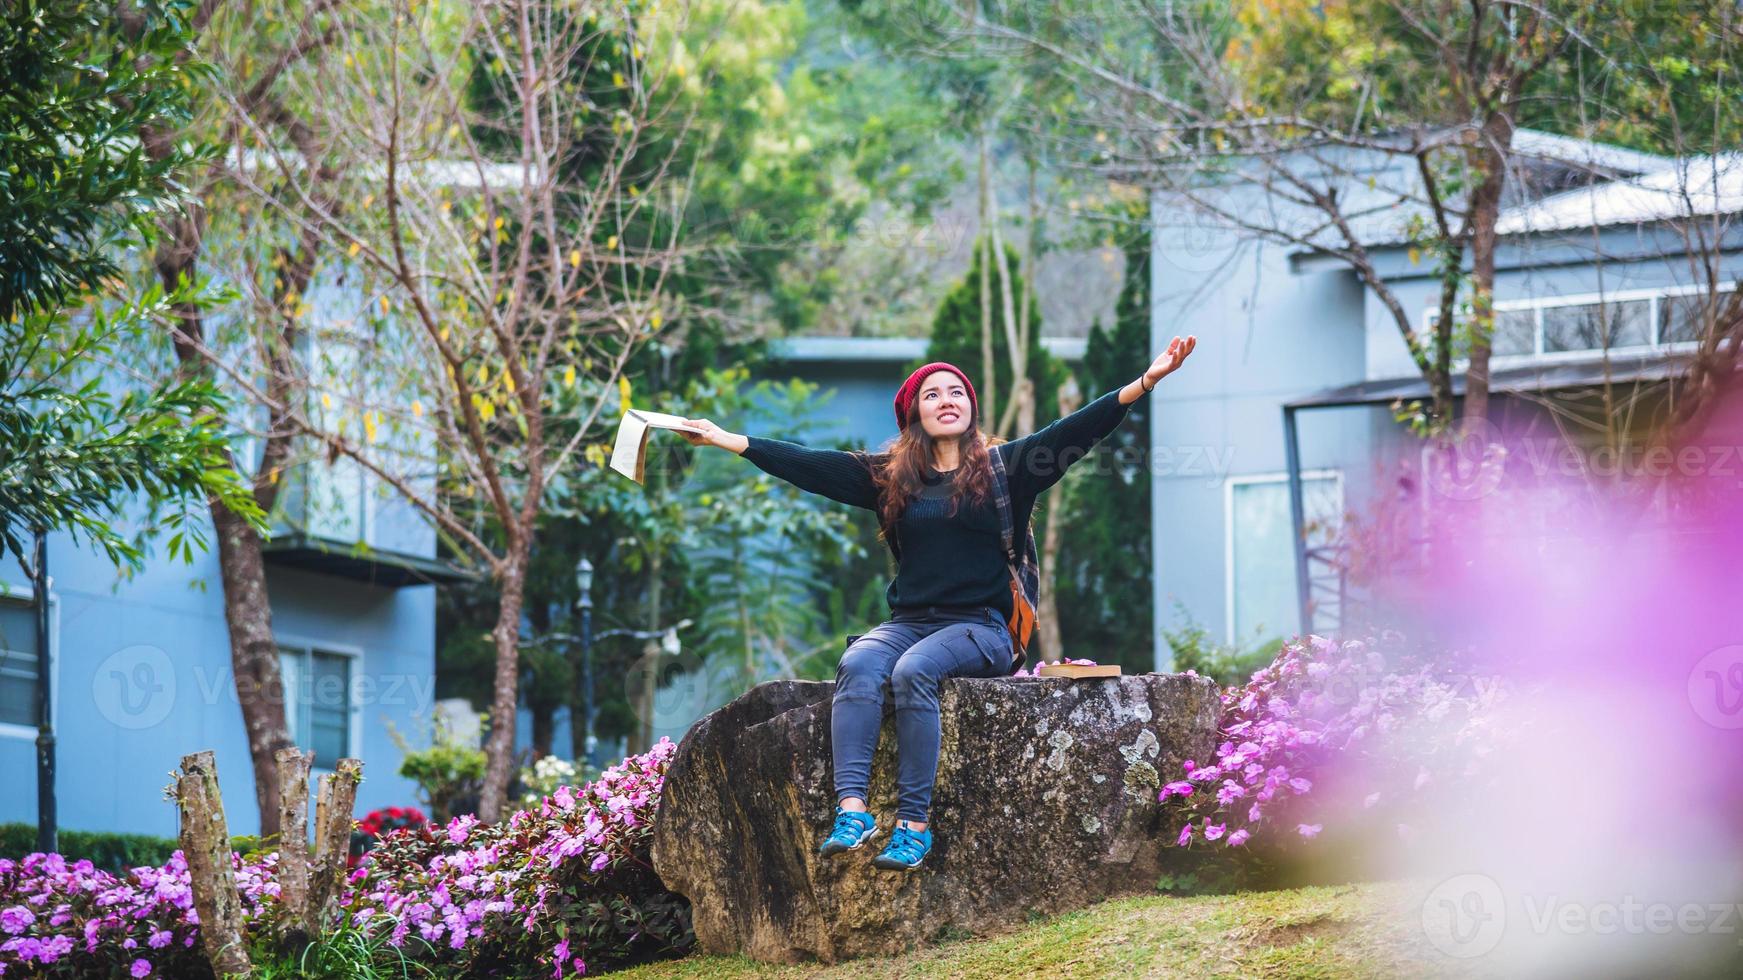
x=584 y=602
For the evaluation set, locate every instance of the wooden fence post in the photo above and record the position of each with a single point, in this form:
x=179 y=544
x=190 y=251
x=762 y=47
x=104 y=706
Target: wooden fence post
x=205 y=843
x=333 y=804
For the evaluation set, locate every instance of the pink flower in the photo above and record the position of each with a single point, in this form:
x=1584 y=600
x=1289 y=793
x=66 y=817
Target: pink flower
x=140 y=968
x=1213 y=831
x=1238 y=838
x=1308 y=830
x=1185 y=836
x=1181 y=788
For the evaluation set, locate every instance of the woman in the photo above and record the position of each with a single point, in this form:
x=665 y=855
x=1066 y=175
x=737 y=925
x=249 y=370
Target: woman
x=951 y=596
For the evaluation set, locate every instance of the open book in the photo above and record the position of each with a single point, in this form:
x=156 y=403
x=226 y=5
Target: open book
x=630 y=454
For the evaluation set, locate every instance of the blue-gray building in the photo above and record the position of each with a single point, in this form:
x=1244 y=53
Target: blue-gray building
x=141 y=674
x=1602 y=272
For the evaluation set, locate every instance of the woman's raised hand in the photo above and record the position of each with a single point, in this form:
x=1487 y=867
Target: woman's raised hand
x=711 y=434
x=1170 y=359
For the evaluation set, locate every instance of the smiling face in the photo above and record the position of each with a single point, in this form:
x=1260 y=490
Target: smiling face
x=944 y=405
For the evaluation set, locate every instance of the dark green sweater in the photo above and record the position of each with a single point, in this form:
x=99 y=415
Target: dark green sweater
x=948 y=560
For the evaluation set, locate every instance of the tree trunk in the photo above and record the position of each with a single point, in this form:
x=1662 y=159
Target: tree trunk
x=1052 y=642
x=642 y=736
x=253 y=657
x=1489 y=160
x=293 y=841
x=505 y=702
x=205 y=844
x=989 y=411
x=334 y=803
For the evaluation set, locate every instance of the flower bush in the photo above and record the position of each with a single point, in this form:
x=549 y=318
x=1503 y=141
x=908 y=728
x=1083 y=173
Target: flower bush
x=547 y=892
x=557 y=886
x=62 y=919
x=377 y=824
x=1382 y=731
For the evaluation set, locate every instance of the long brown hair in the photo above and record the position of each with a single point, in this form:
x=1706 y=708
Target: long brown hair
x=898 y=470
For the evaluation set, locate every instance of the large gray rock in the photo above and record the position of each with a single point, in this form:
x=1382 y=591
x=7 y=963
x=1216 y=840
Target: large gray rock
x=1045 y=801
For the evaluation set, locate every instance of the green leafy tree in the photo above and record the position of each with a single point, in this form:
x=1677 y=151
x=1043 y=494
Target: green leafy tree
x=956 y=337
x=80 y=441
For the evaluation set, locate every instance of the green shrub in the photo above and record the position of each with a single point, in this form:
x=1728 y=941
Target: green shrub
x=109 y=852
x=1224 y=663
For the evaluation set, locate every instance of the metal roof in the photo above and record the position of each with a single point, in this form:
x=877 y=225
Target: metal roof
x=1543 y=376
x=889 y=349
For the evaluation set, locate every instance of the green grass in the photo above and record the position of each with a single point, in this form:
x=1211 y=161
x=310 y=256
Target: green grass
x=1346 y=931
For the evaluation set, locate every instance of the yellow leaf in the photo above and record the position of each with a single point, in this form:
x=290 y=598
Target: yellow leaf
x=368 y=199
x=443 y=334
x=635 y=191
x=444 y=207
x=417 y=409
x=453 y=130
x=569 y=376
x=638 y=50
x=483 y=375
x=272 y=477
x=617 y=79
x=575 y=259
x=1415 y=255
x=623 y=391
x=611 y=243
x=508 y=380
x=655 y=320
x=354 y=249
x=587 y=364
x=384 y=304
x=326 y=400
x=498 y=224
x=369 y=426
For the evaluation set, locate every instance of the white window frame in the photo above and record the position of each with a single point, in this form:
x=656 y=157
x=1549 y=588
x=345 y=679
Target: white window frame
x=27 y=595
x=353 y=699
x=1537 y=304
x=1229 y=531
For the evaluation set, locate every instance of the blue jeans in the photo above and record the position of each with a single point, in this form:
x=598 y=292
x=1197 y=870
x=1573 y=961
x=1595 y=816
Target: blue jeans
x=913 y=651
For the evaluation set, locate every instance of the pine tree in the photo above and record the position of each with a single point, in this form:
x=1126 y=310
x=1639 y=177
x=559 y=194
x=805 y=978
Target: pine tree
x=1104 y=578
x=956 y=338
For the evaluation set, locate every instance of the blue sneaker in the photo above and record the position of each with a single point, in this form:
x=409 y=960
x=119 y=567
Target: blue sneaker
x=906 y=849
x=852 y=829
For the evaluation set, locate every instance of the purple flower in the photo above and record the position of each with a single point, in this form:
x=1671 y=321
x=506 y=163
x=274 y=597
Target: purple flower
x=1238 y=838
x=16 y=919
x=141 y=968
x=1308 y=830
x=1185 y=836
x=1213 y=831
x=1180 y=788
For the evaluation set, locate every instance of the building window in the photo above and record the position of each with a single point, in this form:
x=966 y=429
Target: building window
x=18 y=662
x=1262 y=600
x=1638 y=319
x=318 y=701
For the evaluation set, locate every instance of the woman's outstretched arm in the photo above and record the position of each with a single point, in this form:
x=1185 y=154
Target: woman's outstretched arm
x=841 y=476
x=1037 y=461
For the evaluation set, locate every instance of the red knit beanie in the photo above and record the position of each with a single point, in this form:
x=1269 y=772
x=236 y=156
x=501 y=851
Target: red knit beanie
x=910 y=389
